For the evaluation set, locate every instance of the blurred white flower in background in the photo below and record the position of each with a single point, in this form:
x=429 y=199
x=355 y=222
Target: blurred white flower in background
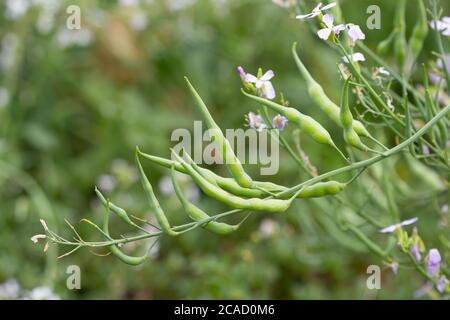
x=106 y=182
x=285 y=3
x=16 y=8
x=4 y=97
x=175 y=5
x=10 y=289
x=68 y=38
x=138 y=21
x=267 y=228
x=41 y=293
x=8 y=49
x=128 y=3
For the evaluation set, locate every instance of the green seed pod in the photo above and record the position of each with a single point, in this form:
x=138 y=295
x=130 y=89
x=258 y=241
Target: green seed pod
x=419 y=32
x=121 y=213
x=321 y=189
x=269 y=205
x=400 y=47
x=196 y=214
x=134 y=261
x=350 y=136
x=227 y=184
x=307 y=124
x=318 y=95
x=159 y=213
x=232 y=162
x=384 y=46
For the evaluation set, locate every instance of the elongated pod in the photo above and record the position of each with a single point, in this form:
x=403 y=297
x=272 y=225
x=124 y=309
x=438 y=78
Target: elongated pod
x=228 y=184
x=350 y=136
x=307 y=124
x=419 y=32
x=400 y=47
x=232 y=162
x=322 y=189
x=318 y=95
x=159 y=213
x=131 y=260
x=269 y=205
x=197 y=214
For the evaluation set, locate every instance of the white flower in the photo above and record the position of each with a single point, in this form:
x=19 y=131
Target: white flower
x=41 y=293
x=357 y=56
x=9 y=289
x=138 y=21
x=285 y=3
x=263 y=84
x=343 y=71
x=37 y=237
x=106 y=182
x=394 y=227
x=316 y=11
x=325 y=33
x=4 y=97
x=442 y=26
x=128 y=3
x=267 y=228
x=16 y=8
x=78 y=37
x=355 y=33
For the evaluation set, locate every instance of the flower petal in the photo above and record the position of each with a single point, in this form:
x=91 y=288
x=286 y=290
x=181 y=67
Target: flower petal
x=329 y=6
x=268 y=75
x=268 y=90
x=328 y=20
x=324 y=34
x=250 y=78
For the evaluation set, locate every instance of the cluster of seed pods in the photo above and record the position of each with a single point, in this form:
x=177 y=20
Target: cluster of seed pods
x=240 y=191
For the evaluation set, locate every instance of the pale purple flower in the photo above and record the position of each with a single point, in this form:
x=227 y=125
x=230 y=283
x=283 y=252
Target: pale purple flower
x=355 y=33
x=441 y=284
x=435 y=75
x=255 y=121
x=425 y=150
x=343 y=71
x=434 y=262
x=443 y=26
x=394 y=227
x=325 y=33
x=316 y=11
x=357 y=56
x=241 y=72
x=394 y=267
x=279 y=122
x=415 y=250
x=263 y=84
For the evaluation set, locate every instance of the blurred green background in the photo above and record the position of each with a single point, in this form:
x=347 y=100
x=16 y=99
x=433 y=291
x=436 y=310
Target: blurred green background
x=74 y=104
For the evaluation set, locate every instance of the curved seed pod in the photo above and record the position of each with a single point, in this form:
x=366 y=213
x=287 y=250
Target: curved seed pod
x=197 y=214
x=310 y=126
x=318 y=95
x=321 y=189
x=121 y=213
x=419 y=32
x=232 y=162
x=134 y=261
x=400 y=47
x=159 y=213
x=384 y=46
x=269 y=205
x=350 y=135
x=228 y=184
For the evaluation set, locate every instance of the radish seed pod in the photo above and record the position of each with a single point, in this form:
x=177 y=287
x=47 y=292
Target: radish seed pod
x=197 y=214
x=159 y=213
x=318 y=95
x=269 y=205
x=131 y=260
x=232 y=162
